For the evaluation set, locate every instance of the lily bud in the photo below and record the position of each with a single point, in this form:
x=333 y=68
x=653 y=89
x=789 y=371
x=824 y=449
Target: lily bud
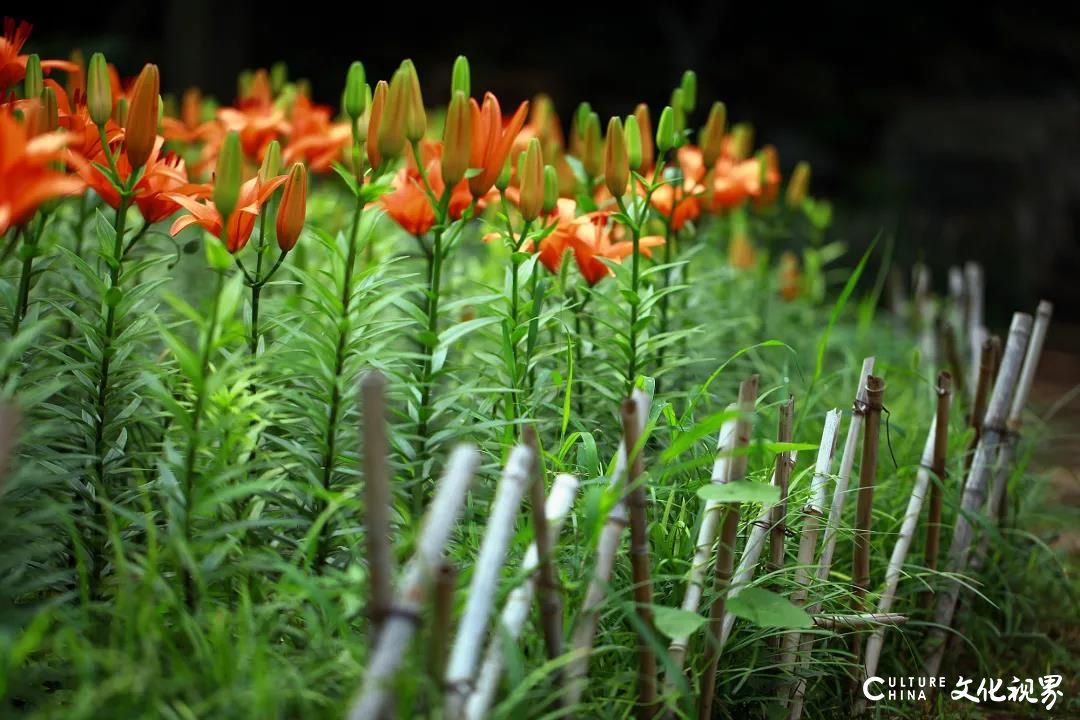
x=577 y=129
x=798 y=185
x=49 y=108
x=689 y=91
x=244 y=82
x=415 y=119
x=99 y=90
x=76 y=81
x=228 y=176
x=378 y=102
x=712 y=135
x=665 y=130
x=503 y=181
x=616 y=160
x=395 y=115
x=648 y=151
x=120 y=112
x=457 y=139
x=271 y=164
x=461 y=78
x=191 y=107
x=551 y=188
x=279 y=75
x=592 y=149
x=140 y=131
x=35 y=81
x=355 y=95
x=742 y=141
x=678 y=105
x=293 y=208
x=633 y=142
x=531 y=182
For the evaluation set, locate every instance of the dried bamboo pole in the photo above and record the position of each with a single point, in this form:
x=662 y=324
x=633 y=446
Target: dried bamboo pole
x=748 y=560
x=377 y=499
x=832 y=529
x=419 y=574
x=952 y=357
x=547 y=586
x=9 y=425
x=998 y=504
x=976 y=487
x=710 y=524
x=982 y=395
x=900 y=551
x=957 y=313
x=516 y=611
x=725 y=550
x=940 y=451
x=976 y=329
x=860 y=621
x=778 y=516
x=606 y=549
x=812 y=515
x=465 y=654
x=860 y=571
x=442 y=609
x=639 y=561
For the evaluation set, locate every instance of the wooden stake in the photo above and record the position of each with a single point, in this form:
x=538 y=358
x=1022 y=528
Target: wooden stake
x=860 y=572
x=976 y=487
x=377 y=499
x=547 y=585
x=812 y=515
x=725 y=550
x=441 y=620
x=639 y=561
x=9 y=425
x=976 y=329
x=941 y=447
x=777 y=519
x=516 y=611
x=952 y=357
x=606 y=549
x=419 y=574
x=465 y=655
x=710 y=524
x=982 y=396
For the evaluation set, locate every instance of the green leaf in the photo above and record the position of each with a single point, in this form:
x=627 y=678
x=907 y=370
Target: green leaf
x=740 y=491
x=767 y=609
x=707 y=427
x=674 y=622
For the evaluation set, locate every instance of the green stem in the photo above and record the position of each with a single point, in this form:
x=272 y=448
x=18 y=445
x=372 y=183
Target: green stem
x=135 y=238
x=340 y=356
x=12 y=243
x=30 y=241
x=196 y=421
x=635 y=274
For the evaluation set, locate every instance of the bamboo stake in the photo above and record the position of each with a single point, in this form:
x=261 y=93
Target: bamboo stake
x=958 y=302
x=441 y=621
x=976 y=329
x=777 y=519
x=975 y=490
x=941 y=447
x=832 y=529
x=860 y=571
x=860 y=621
x=812 y=514
x=606 y=549
x=998 y=505
x=547 y=586
x=952 y=357
x=465 y=654
x=710 y=524
x=982 y=395
x=725 y=550
x=377 y=499
x=516 y=611
x=419 y=574
x=748 y=561
x=639 y=562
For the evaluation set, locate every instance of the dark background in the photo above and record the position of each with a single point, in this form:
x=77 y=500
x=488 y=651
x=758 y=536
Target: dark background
x=953 y=130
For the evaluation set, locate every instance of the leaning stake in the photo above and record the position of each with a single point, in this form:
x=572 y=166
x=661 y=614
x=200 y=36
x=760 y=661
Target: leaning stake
x=941 y=447
x=975 y=489
x=377 y=502
x=400 y=625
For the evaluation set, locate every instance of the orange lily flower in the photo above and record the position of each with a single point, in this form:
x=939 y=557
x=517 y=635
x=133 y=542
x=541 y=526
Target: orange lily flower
x=253 y=194
x=559 y=240
x=409 y=205
x=769 y=178
x=790 y=277
x=83 y=138
x=256 y=118
x=13 y=64
x=163 y=176
x=491 y=141
x=189 y=127
x=592 y=243
x=314 y=139
x=27 y=175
